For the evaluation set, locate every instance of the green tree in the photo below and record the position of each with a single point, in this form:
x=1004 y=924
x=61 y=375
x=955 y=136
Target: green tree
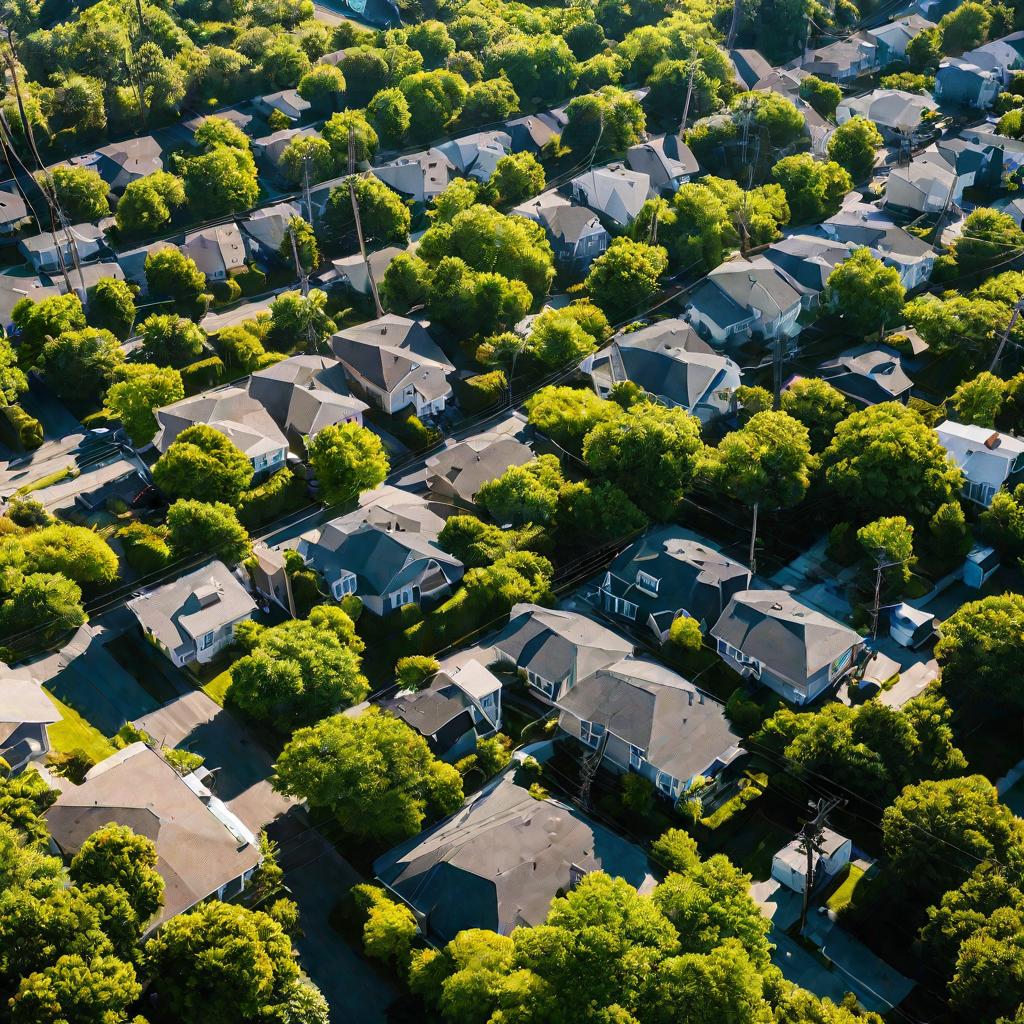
x=541 y=68
x=987 y=237
x=385 y=216
x=818 y=406
x=885 y=459
x=197 y=527
x=936 y=832
x=366 y=74
x=97 y=990
x=526 y=493
x=72 y=551
x=219 y=131
x=668 y=84
x=854 y=145
x=115 y=855
x=13 y=382
x=37 y=321
x=567 y=414
x=924 y=51
x=390 y=927
x=979 y=400
x=347 y=459
x=79 y=365
x=41 y=599
x=221 y=962
x=294 y=315
x=171 y=273
x=889 y=540
x=388 y=113
x=433 y=42
x=112 y=307
x=222 y=180
x=375 y=774
x=625 y=277
x=140 y=389
x=965 y=28
x=610 y=118
x=866 y=293
x=493 y=99
x=756 y=214
x=202 y=463
x=415 y=671
x=322 y=86
x=307 y=156
x=435 y=99
x=517 y=177
x=684 y=634
x=814 y=190
x=301 y=670
x=81 y=192
x=406 y=283
x=600 y=512
x=148 y=203
x=651 y=452
x=171 y=340
x=304 y=237
x=823 y=96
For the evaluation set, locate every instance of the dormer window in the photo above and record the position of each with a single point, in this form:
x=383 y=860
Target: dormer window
x=647 y=582
x=343 y=585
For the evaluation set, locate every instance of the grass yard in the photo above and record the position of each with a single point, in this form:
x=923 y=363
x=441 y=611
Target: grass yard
x=73 y=732
x=217 y=688
x=841 y=898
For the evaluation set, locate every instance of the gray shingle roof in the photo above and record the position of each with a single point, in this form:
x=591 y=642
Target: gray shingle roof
x=868 y=373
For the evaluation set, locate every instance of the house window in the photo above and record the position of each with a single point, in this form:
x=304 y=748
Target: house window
x=839 y=665
x=206 y=641
x=540 y=683
x=345 y=584
x=591 y=733
x=666 y=783
x=636 y=756
x=647 y=582
x=619 y=606
x=737 y=655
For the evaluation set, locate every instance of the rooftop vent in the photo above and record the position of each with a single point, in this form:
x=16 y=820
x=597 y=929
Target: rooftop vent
x=207 y=596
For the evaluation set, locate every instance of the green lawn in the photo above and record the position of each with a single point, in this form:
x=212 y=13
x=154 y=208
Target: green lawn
x=844 y=894
x=217 y=688
x=73 y=732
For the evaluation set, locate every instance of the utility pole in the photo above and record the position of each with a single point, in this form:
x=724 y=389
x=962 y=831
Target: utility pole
x=734 y=25
x=876 y=604
x=300 y=270
x=305 y=188
x=1018 y=305
x=937 y=236
x=777 y=371
x=752 y=557
x=689 y=93
x=809 y=843
x=359 y=224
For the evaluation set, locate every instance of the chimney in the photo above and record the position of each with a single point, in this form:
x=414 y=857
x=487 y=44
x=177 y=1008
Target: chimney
x=992 y=441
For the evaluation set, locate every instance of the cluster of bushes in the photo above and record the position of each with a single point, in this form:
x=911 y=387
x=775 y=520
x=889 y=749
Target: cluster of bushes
x=201 y=375
x=276 y=495
x=20 y=429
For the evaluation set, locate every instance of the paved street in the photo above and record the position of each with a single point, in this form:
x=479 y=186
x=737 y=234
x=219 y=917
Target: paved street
x=358 y=990
x=197 y=723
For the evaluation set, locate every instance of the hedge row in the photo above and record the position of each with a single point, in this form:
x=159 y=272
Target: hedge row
x=20 y=429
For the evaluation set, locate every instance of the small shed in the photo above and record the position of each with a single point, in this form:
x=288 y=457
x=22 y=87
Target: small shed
x=909 y=626
x=980 y=564
x=789 y=865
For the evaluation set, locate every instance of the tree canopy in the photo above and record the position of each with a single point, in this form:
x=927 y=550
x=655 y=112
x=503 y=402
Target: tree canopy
x=347 y=459
x=204 y=464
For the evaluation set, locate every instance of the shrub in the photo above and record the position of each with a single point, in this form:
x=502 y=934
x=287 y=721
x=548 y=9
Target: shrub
x=270 y=499
x=389 y=927
x=21 y=429
x=414 y=433
x=226 y=291
x=637 y=794
x=251 y=281
x=182 y=761
x=413 y=672
x=145 y=547
x=71 y=764
x=745 y=714
x=352 y=606
x=483 y=391
x=203 y=374
x=493 y=754
x=685 y=635
x=675 y=850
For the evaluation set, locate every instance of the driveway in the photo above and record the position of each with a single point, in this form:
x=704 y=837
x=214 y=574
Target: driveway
x=197 y=723
x=357 y=989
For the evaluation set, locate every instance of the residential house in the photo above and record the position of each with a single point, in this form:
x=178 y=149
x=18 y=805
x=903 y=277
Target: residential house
x=771 y=637
x=643 y=717
x=807 y=262
x=385 y=552
x=980 y=565
x=744 y=298
x=268 y=149
x=121 y=163
x=420 y=177
x=458 y=472
x=750 y=67
x=667 y=161
x=456 y=709
x=664 y=575
x=219 y=252
x=351 y=273
x=305 y=393
x=1003 y=56
x=239 y=417
x=843 y=60
x=25 y=713
x=394 y=363
x=530 y=134
x=15 y=287
x=576 y=234
x=14 y=211
x=203 y=850
x=786 y=82
x=44 y=251
x=556 y=649
x=865 y=225
x=476 y=156
x=923 y=187
x=670 y=361
x=501 y=859
x=615 y=192
x=963 y=84
x=133 y=263
x=973 y=163
x=830 y=855
x=868 y=374
x=241 y=117
x=267 y=228
x=986 y=457
x=193 y=618
x=897 y=114
x=892 y=39
x=380 y=13
x=287 y=101
x=1013 y=208
x=1009 y=153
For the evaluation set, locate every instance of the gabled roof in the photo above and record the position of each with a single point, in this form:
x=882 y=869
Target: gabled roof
x=808 y=260
x=216 y=250
x=615 y=191
x=901 y=30
x=499 y=861
x=786 y=636
x=664 y=160
x=869 y=373
x=200 y=845
x=232 y=411
x=966 y=442
x=13 y=208
x=133 y=261
x=891 y=108
x=681 y=730
x=465 y=467
x=532 y=132
x=554 y=643
x=477 y=155
x=23 y=700
x=420 y=175
x=184 y=610
x=750 y=66
x=743 y=286
x=44 y=243
x=15 y=287
x=288 y=101
x=269 y=225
